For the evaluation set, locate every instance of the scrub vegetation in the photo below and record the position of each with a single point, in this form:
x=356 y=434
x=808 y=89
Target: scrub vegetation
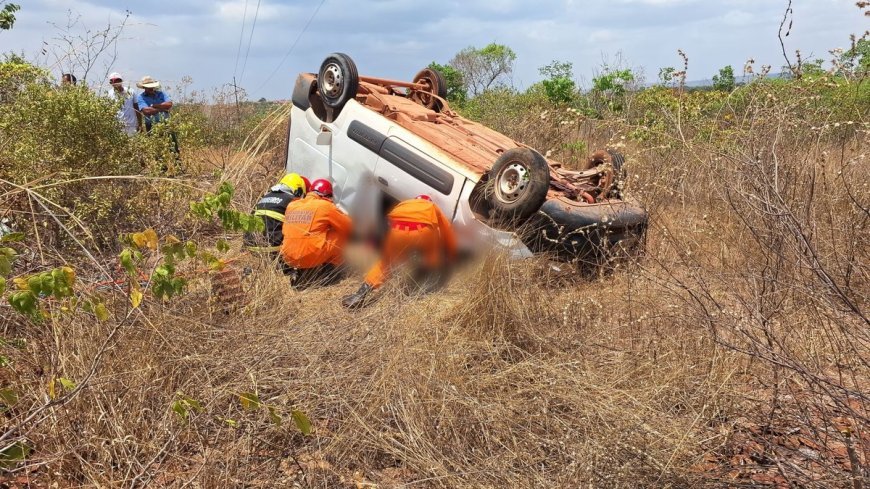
x=735 y=352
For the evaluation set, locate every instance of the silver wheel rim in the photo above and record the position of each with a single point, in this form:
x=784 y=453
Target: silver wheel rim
x=512 y=182
x=333 y=80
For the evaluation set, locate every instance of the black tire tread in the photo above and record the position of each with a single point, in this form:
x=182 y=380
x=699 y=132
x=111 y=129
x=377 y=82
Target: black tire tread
x=535 y=196
x=352 y=77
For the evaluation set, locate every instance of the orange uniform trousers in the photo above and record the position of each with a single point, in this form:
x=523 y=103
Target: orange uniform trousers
x=400 y=244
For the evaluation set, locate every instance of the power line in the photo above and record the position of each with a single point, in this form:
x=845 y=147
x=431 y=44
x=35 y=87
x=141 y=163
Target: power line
x=241 y=37
x=293 y=46
x=250 y=38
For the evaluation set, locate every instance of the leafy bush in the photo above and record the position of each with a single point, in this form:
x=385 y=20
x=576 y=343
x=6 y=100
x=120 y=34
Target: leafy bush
x=16 y=74
x=64 y=130
x=69 y=141
x=724 y=81
x=559 y=83
x=610 y=88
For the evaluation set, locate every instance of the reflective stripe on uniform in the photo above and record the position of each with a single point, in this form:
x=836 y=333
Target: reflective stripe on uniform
x=263 y=249
x=273 y=214
x=407 y=225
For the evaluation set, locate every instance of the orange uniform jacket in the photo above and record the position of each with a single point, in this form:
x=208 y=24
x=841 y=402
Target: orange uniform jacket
x=315 y=232
x=419 y=224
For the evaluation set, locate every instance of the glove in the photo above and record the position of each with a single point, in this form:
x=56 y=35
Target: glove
x=357 y=300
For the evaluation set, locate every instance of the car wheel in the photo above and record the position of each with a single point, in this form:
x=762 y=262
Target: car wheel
x=435 y=84
x=337 y=80
x=518 y=184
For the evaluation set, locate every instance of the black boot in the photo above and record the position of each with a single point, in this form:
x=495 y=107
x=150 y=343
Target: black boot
x=357 y=299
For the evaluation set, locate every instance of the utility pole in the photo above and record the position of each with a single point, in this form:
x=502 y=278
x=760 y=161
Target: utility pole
x=238 y=107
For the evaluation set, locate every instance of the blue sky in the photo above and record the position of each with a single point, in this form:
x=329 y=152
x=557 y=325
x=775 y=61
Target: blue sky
x=170 y=39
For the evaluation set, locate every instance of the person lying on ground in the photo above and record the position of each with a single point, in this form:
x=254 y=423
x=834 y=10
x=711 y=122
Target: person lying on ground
x=419 y=232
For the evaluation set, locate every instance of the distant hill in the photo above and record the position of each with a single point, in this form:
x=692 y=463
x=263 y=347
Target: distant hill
x=741 y=80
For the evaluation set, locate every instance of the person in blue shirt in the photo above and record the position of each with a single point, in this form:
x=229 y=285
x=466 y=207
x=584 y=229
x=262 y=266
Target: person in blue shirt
x=155 y=104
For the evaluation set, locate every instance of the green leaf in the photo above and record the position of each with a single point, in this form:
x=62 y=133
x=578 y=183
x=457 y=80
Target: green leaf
x=46 y=284
x=66 y=383
x=69 y=275
x=302 y=422
x=24 y=302
x=250 y=401
x=101 y=312
x=5 y=265
x=184 y=404
x=57 y=276
x=4 y=361
x=127 y=261
x=180 y=408
x=192 y=403
x=12 y=238
x=231 y=422
x=223 y=246
x=178 y=285
x=165 y=270
x=226 y=188
x=191 y=249
x=9 y=397
x=34 y=283
x=274 y=416
x=2 y=285
x=13 y=454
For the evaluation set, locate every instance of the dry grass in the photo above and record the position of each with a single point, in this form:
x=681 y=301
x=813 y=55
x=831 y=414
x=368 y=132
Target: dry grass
x=691 y=366
x=507 y=389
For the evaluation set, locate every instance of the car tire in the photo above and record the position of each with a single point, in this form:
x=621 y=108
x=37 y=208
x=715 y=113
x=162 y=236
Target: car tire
x=337 y=80
x=437 y=84
x=517 y=185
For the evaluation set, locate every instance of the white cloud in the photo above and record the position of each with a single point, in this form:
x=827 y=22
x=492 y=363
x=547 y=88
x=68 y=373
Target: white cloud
x=739 y=18
x=601 y=35
x=234 y=11
x=658 y=2
x=394 y=38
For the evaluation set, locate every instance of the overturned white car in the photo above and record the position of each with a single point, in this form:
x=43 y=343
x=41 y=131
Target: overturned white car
x=382 y=141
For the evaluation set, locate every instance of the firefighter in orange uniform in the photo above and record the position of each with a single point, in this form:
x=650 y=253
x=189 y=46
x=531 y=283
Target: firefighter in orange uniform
x=418 y=227
x=315 y=232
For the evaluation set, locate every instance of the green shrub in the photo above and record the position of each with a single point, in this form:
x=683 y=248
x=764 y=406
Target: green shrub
x=16 y=74
x=559 y=82
x=65 y=141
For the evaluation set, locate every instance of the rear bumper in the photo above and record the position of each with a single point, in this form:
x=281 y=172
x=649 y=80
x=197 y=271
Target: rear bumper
x=573 y=231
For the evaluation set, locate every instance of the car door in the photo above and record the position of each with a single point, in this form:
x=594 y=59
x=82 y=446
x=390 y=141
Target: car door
x=350 y=169
x=404 y=171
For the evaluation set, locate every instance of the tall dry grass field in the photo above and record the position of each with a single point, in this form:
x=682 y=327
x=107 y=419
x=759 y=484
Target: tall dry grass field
x=732 y=353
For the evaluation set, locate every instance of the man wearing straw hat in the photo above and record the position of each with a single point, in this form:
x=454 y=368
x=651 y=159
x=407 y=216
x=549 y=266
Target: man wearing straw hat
x=155 y=105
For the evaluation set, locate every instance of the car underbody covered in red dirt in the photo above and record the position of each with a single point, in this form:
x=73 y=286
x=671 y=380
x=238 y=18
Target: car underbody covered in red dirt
x=573 y=214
